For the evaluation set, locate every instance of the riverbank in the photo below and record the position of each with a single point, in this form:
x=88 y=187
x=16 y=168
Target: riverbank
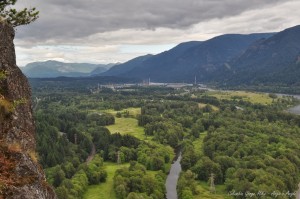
x=172 y=179
x=295 y=110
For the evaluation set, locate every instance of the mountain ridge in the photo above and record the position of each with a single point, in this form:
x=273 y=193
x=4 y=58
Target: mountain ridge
x=120 y=68
x=51 y=68
x=188 y=59
x=273 y=60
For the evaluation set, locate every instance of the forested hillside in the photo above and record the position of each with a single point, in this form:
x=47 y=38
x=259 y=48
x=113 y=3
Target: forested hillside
x=51 y=68
x=272 y=61
x=187 y=60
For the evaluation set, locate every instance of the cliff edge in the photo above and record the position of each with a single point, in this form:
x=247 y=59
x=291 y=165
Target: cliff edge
x=20 y=174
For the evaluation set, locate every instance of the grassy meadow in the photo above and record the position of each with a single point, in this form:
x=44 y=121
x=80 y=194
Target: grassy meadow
x=198 y=143
x=255 y=98
x=202 y=105
x=132 y=111
x=127 y=126
x=123 y=126
x=104 y=190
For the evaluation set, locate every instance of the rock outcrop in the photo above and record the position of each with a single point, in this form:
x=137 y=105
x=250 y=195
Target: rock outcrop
x=20 y=174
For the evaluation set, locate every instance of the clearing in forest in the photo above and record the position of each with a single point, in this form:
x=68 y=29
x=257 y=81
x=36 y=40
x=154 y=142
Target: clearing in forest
x=105 y=190
x=127 y=126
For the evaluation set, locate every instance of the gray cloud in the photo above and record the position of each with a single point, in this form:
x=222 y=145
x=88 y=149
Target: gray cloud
x=69 y=19
x=104 y=31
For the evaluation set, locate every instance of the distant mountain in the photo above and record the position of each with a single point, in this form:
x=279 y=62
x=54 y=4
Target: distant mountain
x=128 y=69
x=55 y=69
x=268 y=61
x=232 y=60
x=102 y=69
x=120 y=69
x=190 y=59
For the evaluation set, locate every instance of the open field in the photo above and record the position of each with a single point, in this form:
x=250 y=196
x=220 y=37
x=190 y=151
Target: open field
x=198 y=143
x=202 y=105
x=132 y=111
x=259 y=98
x=127 y=126
x=104 y=190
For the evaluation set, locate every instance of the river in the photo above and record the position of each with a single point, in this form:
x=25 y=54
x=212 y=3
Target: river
x=295 y=109
x=172 y=179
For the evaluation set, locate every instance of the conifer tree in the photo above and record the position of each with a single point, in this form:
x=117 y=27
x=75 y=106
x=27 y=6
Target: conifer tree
x=16 y=17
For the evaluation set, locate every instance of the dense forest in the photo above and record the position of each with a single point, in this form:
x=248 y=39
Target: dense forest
x=248 y=142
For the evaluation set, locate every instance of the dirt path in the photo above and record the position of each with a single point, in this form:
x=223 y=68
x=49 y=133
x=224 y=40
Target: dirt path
x=92 y=154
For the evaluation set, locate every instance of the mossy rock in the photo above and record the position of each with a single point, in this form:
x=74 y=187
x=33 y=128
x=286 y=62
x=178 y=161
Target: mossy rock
x=6 y=108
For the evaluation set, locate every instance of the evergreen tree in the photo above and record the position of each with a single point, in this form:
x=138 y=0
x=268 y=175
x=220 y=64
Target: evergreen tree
x=15 y=17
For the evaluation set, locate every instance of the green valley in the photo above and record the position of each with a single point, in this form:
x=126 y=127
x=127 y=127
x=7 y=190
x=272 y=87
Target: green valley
x=246 y=140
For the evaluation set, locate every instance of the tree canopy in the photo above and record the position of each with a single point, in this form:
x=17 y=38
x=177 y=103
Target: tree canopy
x=16 y=17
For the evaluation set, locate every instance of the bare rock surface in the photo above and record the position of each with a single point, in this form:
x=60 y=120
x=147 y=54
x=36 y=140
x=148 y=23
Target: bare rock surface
x=20 y=174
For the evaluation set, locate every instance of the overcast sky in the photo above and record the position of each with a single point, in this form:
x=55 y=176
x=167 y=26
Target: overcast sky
x=109 y=31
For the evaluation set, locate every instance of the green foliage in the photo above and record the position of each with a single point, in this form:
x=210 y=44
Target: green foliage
x=62 y=192
x=75 y=183
x=245 y=150
x=19 y=102
x=167 y=121
x=153 y=156
x=197 y=128
x=3 y=74
x=133 y=195
x=204 y=167
x=55 y=175
x=101 y=119
x=79 y=183
x=247 y=146
x=189 y=156
x=105 y=190
x=165 y=132
x=95 y=171
x=118 y=114
x=16 y=17
x=186 y=185
x=69 y=169
x=135 y=182
x=6 y=107
x=110 y=144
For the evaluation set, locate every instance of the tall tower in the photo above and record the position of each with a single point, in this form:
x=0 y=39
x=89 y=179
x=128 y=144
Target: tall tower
x=119 y=158
x=75 y=138
x=212 y=183
x=298 y=192
x=195 y=83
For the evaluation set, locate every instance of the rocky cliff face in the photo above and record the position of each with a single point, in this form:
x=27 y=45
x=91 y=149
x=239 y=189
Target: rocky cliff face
x=20 y=174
